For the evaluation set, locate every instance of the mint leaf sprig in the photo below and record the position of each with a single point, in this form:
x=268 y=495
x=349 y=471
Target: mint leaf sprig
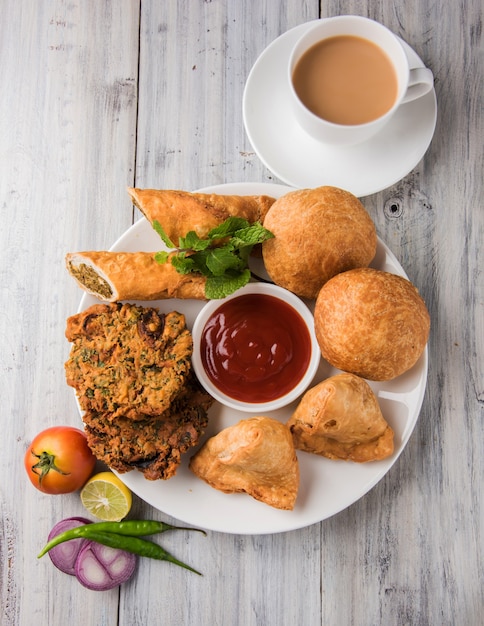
x=223 y=256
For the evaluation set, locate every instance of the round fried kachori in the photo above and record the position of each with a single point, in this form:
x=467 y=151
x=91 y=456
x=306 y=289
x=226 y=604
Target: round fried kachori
x=318 y=233
x=371 y=323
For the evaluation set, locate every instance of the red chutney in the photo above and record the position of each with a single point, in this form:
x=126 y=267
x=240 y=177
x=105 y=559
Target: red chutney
x=255 y=348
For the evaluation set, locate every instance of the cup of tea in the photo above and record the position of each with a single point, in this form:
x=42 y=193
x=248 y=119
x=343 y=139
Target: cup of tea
x=348 y=75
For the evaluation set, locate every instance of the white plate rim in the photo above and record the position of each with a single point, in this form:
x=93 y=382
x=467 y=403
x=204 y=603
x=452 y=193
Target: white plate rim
x=240 y=514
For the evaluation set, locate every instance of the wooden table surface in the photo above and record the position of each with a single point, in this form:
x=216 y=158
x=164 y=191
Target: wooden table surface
x=99 y=95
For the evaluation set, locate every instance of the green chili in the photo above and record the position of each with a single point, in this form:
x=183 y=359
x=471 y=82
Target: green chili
x=129 y=528
x=124 y=536
x=136 y=545
x=136 y=528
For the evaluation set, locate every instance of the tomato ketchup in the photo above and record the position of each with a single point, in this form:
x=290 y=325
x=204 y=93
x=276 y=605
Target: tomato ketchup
x=255 y=348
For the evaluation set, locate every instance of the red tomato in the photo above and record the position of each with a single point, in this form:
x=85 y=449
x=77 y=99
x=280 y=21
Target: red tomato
x=59 y=460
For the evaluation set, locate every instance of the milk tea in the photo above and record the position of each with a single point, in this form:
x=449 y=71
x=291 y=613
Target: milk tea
x=346 y=80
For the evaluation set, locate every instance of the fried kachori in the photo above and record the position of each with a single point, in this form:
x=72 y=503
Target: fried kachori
x=317 y=233
x=371 y=323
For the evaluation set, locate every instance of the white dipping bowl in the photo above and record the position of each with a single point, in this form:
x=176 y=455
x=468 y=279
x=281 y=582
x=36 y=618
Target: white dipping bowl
x=300 y=384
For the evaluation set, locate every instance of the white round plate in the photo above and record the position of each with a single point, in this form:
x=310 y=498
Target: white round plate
x=326 y=486
x=300 y=161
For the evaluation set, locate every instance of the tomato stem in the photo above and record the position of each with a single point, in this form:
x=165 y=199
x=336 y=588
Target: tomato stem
x=45 y=464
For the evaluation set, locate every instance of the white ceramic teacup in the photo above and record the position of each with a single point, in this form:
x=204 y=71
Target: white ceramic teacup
x=411 y=83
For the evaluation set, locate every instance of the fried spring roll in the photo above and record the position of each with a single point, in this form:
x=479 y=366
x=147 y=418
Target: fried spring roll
x=113 y=276
x=179 y=212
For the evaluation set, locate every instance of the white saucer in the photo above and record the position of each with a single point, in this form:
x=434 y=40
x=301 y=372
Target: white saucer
x=300 y=161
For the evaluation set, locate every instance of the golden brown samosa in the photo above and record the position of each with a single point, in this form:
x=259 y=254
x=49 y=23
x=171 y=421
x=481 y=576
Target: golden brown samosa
x=340 y=418
x=255 y=456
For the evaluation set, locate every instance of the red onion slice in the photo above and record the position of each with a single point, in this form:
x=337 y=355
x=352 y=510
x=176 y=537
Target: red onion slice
x=101 y=568
x=65 y=554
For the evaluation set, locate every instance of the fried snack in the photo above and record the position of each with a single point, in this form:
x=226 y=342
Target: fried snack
x=317 y=233
x=371 y=323
x=180 y=212
x=113 y=276
x=340 y=418
x=152 y=446
x=255 y=456
x=127 y=360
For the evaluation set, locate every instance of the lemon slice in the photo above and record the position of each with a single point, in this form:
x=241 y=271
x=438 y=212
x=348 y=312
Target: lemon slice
x=106 y=497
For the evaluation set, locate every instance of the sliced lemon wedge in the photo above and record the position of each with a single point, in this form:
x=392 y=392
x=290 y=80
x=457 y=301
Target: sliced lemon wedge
x=106 y=497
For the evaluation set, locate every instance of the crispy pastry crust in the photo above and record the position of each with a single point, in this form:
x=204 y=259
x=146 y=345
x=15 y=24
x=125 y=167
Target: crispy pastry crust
x=317 y=234
x=340 y=418
x=179 y=212
x=114 y=276
x=255 y=456
x=371 y=323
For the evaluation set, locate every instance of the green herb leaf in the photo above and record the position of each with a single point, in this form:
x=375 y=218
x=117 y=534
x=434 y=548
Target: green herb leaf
x=220 y=260
x=183 y=264
x=228 y=228
x=251 y=235
x=221 y=286
x=192 y=241
x=166 y=240
x=222 y=256
x=197 y=262
x=161 y=256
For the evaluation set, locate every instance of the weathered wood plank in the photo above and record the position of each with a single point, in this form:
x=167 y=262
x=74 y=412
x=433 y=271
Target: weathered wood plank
x=415 y=538
x=200 y=139
x=68 y=122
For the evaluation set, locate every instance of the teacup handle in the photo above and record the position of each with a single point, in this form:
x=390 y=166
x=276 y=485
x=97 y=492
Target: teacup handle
x=420 y=82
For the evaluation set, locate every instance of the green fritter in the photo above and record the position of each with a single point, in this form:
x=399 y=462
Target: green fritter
x=128 y=360
x=152 y=446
